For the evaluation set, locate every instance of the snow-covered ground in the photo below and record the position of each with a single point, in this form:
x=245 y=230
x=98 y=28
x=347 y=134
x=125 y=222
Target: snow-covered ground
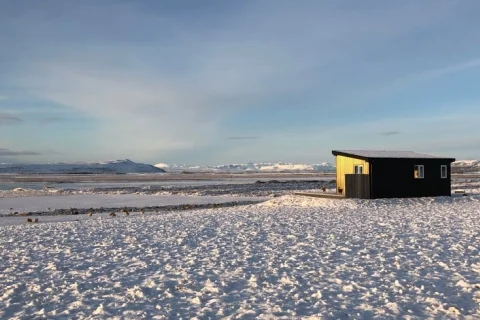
x=235 y=187
x=470 y=186
x=288 y=258
x=85 y=201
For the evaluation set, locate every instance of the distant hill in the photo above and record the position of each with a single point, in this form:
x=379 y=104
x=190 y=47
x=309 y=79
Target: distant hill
x=107 y=167
x=129 y=167
x=466 y=166
x=250 y=167
x=461 y=166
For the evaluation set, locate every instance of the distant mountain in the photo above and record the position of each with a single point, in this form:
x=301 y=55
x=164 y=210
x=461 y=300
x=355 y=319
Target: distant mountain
x=251 y=167
x=107 y=167
x=461 y=166
x=161 y=165
x=466 y=166
x=466 y=163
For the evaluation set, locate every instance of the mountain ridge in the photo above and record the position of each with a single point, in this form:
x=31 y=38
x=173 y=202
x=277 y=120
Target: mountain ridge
x=124 y=166
x=466 y=166
x=459 y=166
x=250 y=167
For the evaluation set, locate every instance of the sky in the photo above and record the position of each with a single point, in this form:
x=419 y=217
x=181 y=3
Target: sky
x=215 y=82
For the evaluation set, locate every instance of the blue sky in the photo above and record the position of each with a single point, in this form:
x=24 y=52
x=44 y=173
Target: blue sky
x=211 y=82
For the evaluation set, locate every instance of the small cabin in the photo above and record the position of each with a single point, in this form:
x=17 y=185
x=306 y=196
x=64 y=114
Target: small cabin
x=391 y=174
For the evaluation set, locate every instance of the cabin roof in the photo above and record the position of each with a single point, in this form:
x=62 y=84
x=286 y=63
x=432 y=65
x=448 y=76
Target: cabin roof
x=387 y=154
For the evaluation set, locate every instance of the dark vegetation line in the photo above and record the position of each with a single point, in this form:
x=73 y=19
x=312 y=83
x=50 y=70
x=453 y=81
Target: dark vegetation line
x=167 y=208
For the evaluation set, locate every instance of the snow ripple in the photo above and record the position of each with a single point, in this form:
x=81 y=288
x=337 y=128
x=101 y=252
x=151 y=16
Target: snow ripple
x=345 y=259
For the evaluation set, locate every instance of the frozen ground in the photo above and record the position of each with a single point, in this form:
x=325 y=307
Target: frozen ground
x=103 y=198
x=469 y=185
x=287 y=258
x=109 y=202
x=230 y=187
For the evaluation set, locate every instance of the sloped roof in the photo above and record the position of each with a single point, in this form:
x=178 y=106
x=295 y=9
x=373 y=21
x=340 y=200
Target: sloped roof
x=386 y=154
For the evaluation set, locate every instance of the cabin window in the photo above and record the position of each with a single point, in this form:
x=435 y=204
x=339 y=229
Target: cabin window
x=418 y=171
x=359 y=169
x=443 y=172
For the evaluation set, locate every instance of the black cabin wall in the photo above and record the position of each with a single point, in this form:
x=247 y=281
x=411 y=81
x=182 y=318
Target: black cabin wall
x=357 y=186
x=394 y=178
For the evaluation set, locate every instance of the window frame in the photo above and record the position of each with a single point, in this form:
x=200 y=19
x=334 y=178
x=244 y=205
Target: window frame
x=421 y=171
x=358 y=166
x=441 y=171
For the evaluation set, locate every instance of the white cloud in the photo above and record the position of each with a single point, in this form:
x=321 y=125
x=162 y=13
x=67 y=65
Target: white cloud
x=136 y=112
x=172 y=89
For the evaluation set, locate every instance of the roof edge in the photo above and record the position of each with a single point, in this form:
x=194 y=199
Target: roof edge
x=366 y=158
x=349 y=155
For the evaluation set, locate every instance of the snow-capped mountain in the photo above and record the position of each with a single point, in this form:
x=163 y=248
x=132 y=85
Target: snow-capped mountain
x=466 y=163
x=283 y=167
x=466 y=166
x=161 y=165
x=111 y=167
x=251 y=167
x=461 y=166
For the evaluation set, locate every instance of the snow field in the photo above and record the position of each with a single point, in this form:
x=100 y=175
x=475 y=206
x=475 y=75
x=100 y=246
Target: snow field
x=288 y=258
x=240 y=187
x=95 y=201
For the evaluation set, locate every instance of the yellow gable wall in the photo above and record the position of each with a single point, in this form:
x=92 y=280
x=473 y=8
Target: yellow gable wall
x=345 y=166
